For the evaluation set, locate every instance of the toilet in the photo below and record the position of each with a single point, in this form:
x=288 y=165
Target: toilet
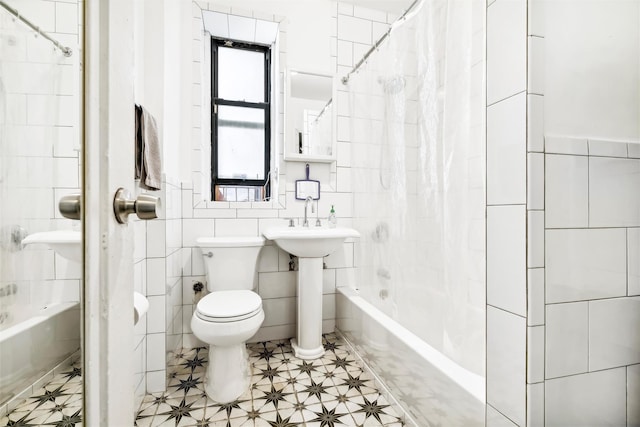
x=230 y=314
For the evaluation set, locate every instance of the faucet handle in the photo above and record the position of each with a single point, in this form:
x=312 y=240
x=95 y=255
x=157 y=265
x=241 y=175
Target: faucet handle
x=318 y=222
x=291 y=222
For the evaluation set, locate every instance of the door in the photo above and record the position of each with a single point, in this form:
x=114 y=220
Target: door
x=109 y=164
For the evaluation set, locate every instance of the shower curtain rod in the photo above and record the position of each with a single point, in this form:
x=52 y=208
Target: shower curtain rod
x=65 y=50
x=345 y=79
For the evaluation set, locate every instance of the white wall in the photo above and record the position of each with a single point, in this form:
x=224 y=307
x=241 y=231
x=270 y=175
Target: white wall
x=591 y=68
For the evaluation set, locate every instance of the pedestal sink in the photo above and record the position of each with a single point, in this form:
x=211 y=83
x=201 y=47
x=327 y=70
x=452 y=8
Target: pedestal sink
x=66 y=243
x=310 y=245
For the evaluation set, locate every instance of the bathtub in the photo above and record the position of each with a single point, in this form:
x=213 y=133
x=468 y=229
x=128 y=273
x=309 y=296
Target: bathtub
x=31 y=349
x=429 y=387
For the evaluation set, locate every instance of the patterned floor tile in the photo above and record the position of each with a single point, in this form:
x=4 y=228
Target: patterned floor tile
x=285 y=392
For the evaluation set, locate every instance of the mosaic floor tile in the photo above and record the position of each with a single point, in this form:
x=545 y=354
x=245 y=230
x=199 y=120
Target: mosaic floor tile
x=285 y=392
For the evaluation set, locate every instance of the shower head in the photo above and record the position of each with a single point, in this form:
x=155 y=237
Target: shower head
x=392 y=85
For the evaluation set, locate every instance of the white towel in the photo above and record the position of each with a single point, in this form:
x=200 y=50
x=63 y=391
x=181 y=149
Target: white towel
x=148 y=152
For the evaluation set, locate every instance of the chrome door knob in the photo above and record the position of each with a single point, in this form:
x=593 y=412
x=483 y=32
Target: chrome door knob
x=145 y=206
x=70 y=206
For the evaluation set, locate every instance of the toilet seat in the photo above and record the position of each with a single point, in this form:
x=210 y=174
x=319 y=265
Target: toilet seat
x=229 y=306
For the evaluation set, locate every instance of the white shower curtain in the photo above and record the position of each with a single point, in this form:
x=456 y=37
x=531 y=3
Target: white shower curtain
x=416 y=120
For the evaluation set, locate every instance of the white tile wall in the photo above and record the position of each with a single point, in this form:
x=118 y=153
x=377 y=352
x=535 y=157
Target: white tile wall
x=506 y=151
x=506 y=361
x=566 y=191
x=506 y=49
x=535 y=300
x=613 y=333
x=535 y=405
x=535 y=354
x=613 y=192
x=633 y=265
x=633 y=395
x=593 y=399
x=585 y=264
x=564 y=145
x=567 y=339
x=506 y=258
x=496 y=419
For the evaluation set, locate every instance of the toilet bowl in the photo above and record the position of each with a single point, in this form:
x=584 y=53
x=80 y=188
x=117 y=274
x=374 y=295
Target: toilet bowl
x=230 y=314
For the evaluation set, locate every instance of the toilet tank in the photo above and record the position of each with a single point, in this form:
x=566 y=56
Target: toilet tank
x=233 y=261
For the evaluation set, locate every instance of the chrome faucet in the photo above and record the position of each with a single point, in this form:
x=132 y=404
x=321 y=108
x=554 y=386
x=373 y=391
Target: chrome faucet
x=313 y=210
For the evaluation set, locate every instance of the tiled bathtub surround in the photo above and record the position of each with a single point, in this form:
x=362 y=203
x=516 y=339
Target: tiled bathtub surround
x=592 y=257
x=39 y=163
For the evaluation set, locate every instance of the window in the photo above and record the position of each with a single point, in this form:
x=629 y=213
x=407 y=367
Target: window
x=240 y=121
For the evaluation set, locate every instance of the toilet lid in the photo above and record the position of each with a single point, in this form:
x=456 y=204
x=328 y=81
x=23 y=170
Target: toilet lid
x=229 y=305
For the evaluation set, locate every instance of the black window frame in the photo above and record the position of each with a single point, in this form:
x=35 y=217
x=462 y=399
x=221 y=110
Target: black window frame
x=216 y=101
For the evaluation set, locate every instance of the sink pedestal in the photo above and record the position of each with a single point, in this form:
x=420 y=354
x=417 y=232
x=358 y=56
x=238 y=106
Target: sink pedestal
x=308 y=342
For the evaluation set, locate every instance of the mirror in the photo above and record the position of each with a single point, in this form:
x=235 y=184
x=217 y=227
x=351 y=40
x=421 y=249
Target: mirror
x=309 y=117
x=306 y=188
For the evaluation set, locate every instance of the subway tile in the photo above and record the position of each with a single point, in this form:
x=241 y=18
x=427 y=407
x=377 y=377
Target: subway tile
x=66 y=18
x=354 y=29
x=156 y=352
x=156 y=320
x=614 y=339
x=585 y=264
x=566 y=191
x=156 y=238
x=535 y=300
x=614 y=199
x=370 y=14
x=66 y=269
x=633 y=395
x=535 y=405
x=506 y=49
x=277 y=285
x=497 y=419
x=341 y=258
x=567 y=336
x=345 y=53
x=506 y=363
x=535 y=181
x=506 y=258
x=329 y=307
x=593 y=399
x=506 y=151
x=564 y=145
x=279 y=311
x=607 y=148
x=194 y=228
x=156 y=381
x=278 y=332
x=633 y=261
x=535 y=64
x=268 y=260
x=345 y=9
x=328 y=281
x=535 y=239
x=535 y=354
x=536 y=18
x=155 y=276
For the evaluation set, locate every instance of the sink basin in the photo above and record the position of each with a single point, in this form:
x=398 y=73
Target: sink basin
x=309 y=245
x=66 y=243
x=311 y=242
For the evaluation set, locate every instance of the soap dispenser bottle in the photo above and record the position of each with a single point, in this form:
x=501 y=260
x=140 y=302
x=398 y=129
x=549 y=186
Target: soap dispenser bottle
x=332 y=218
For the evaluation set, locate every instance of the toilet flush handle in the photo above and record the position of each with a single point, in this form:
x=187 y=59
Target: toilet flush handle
x=208 y=254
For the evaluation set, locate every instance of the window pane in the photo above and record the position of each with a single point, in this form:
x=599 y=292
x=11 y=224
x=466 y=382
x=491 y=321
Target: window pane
x=241 y=134
x=240 y=75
